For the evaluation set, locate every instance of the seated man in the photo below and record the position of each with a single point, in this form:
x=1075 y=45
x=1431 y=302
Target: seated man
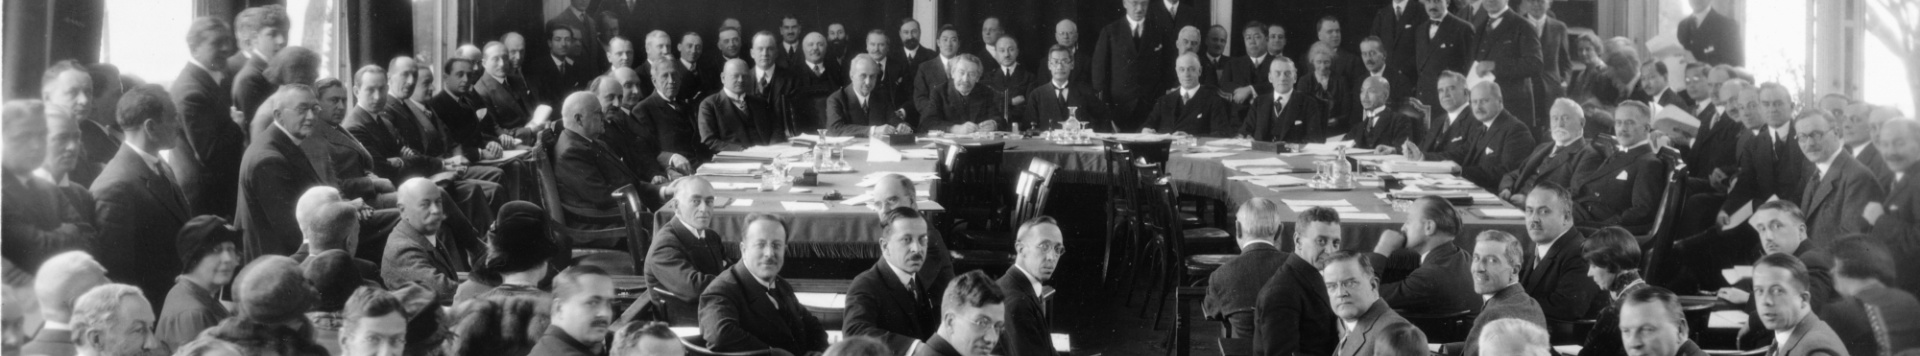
x=1037 y=252
x=274 y=172
x=459 y=109
x=373 y=322
x=582 y=312
x=417 y=252
x=1783 y=230
x=1625 y=189
x=35 y=228
x=326 y=223
x=1899 y=144
x=887 y=301
x=1438 y=282
x=1276 y=113
x=661 y=126
x=1786 y=300
x=1513 y=337
x=750 y=308
x=339 y=158
x=1366 y=321
x=587 y=169
x=114 y=319
x=1662 y=327
x=686 y=254
x=859 y=108
x=1497 y=258
x=1291 y=315
x=1873 y=315
x=1052 y=102
x=1232 y=288
x=647 y=338
x=1559 y=161
x=57 y=284
x=734 y=120
x=509 y=101
x=1007 y=80
x=972 y=302
x=194 y=303
x=1386 y=124
x=1838 y=189
x=964 y=107
x=1192 y=108
x=632 y=144
x=893 y=191
x=1486 y=154
x=1555 y=274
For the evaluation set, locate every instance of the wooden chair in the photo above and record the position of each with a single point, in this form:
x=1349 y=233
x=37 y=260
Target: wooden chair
x=993 y=249
x=971 y=187
x=1658 y=241
x=602 y=246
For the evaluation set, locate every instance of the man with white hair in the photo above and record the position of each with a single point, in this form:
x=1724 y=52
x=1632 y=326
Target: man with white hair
x=741 y=116
x=685 y=254
x=1513 y=337
x=866 y=102
x=1499 y=145
x=588 y=170
x=114 y=320
x=58 y=284
x=1559 y=160
x=749 y=307
x=1624 y=190
x=274 y=172
x=1193 y=107
x=419 y=251
x=964 y=106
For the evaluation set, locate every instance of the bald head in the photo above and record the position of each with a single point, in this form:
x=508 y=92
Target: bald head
x=1188 y=40
x=733 y=76
x=582 y=114
x=62 y=279
x=418 y=190
x=420 y=205
x=332 y=226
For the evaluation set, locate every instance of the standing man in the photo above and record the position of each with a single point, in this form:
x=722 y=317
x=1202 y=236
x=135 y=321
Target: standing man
x=703 y=73
x=1008 y=80
x=890 y=72
x=1509 y=49
x=1444 y=44
x=1712 y=36
x=1377 y=62
x=911 y=55
x=264 y=29
x=1399 y=27
x=820 y=76
x=1555 y=60
x=275 y=173
x=788 y=54
x=1037 y=252
x=585 y=28
x=1291 y=316
x=137 y=194
x=1126 y=61
x=686 y=255
x=210 y=167
x=1067 y=33
x=750 y=308
x=582 y=313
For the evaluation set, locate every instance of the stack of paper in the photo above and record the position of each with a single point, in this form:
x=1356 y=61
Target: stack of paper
x=1737 y=273
x=1503 y=213
x=916 y=177
x=1212 y=154
x=729 y=168
x=746 y=154
x=1231 y=142
x=1378 y=158
x=1242 y=164
x=881 y=152
x=1327 y=203
x=834 y=140
x=1272 y=181
x=1420 y=167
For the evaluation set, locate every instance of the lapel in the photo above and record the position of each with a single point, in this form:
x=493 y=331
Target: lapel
x=903 y=293
x=1567 y=241
x=1818 y=188
x=1810 y=322
x=1614 y=164
x=157 y=186
x=1364 y=326
x=760 y=299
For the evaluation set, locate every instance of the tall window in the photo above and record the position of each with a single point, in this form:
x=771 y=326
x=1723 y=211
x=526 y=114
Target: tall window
x=1778 y=53
x=147 y=38
x=1886 y=79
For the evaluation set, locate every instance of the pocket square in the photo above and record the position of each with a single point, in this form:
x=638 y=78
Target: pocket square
x=1489 y=150
x=1457 y=139
x=1622 y=176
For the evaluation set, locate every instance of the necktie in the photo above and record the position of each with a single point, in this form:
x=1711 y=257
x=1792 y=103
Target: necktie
x=915 y=288
x=1136 y=32
x=1433 y=30
x=1060 y=93
x=1279 y=104
x=772 y=297
x=739 y=104
x=763 y=82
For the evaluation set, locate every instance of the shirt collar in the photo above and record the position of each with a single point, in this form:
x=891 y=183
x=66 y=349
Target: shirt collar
x=1778 y=133
x=1187 y=94
x=1541 y=249
x=55 y=325
x=1455 y=114
x=1376 y=111
x=1496 y=16
x=905 y=278
x=1633 y=146
x=1245 y=245
x=1857 y=150
x=1131 y=24
x=863 y=97
x=697 y=233
x=145 y=156
x=1060 y=84
x=1258 y=58
x=1031 y=279
x=1278 y=96
x=1827 y=164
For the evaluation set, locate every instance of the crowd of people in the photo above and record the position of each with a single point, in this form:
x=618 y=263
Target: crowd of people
x=255 y=208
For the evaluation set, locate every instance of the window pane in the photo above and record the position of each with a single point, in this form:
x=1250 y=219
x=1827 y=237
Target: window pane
x=1778 y=53
x=1886 y=79
x=147 y=38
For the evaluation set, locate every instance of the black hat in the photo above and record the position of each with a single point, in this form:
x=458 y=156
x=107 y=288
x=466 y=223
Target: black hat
x=200 y=236
x=519 y=239
x=334 y=275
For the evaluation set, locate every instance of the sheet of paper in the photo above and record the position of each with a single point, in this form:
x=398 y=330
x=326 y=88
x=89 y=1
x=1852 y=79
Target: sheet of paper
x=741 y=202
x=1231 y=142
x=920 y=153
x=804 y=206
x=1303 y=202
x=1727 y=319
x=1365 y=216
x=1267 y=171
x=1503 y=213
x=1212 y=154
x=747 y=154
x=800 y=190
x=1738 y=217
x=880 y=152
x=1257 y=162
x=1062 y=343
x=1277 y=181
x=830 y=139
x=539 y=117
x=1736 y=273
x=736 y=186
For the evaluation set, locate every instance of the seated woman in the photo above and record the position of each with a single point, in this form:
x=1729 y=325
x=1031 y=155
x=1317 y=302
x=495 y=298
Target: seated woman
x=1613 y=260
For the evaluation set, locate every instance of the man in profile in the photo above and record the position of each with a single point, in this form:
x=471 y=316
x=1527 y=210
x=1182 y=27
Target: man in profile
x=1439 y=281
x=275 y=173
x=210 y=169
x=1873 y=315
x=1232 y=288
x=749 y=307
x=57 y=284
x=114 y=319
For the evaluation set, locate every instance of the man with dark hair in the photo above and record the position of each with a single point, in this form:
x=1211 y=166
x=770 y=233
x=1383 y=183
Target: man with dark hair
x=36 y=222
x=1444 y=43
x=931 y=76
x=646 y=339
x=972 y=319
x=209 y=167
x=1782 y=229
x=1292 y=314
x=1839 y=188
x=1785 y=305
x=138 y=193
x=274 y=174
x=582 y=313
x=1007 y=79
x=1653 y=88
x=557 y=74
x=1063 y=95
x=1232 y=289
x=1386 y=123
x=1398 y=28
x=1508 y=48
x=1873 y=317
x=1498 y=146
x=457 y=106
x=1711 y=36
x=1555 y=273
x=888 y=301
x=1038 y=250
x=1438 y=282
x=702 y=70
x=789 y=52
x=1654 y=325
x=1497 y=261
x=1625 y=189
x=509 y=101
x=1247 y=73
x=263 y=32
x=373 y=323
x=749 y=307
x=1366 y=321
x=584 y=28
x=1126 y=63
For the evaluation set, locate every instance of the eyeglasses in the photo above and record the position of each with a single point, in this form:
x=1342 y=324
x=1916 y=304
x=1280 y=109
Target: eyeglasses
x=1050 y=246
x=1810 y=135
x=1776 y=104
x=999 y=326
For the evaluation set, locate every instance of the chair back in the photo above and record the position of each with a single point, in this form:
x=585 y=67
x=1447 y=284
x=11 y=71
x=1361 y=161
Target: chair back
x=697 y=346
x=972 y=185
x=1150 y=152
x=1163 y=213
x=1659 y=239
x=1031 y=190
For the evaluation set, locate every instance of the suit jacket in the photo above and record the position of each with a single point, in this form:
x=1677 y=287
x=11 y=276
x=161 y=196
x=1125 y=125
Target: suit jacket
x=909 y=68
x=737 y=313
x=1242 y=71
x=882 y=306
x=1625 y=190
x=1714 y=40
x=1555 y=61
x=1557 y=166
x=948 y=107
x=1400 y=84
x=935 y=346
x=410 y=258
x=1558 y=280
x=208 y=163
x=509 y=105
x=550 y=83
x=1371 y=328
x=1513 y=46
x=1813 y=336
x=460 y=116
x=725 y=127
x=673 y=125
x=1714 y=147
x=846 y=116
x=1894 y=229
x=1006 y=87
x=683 y=264
x=1045 y=108
x=1875 y=319
x=589 y=172
x=702 y=78
x=1491 y=151
x=809 y=101
x=251 y=88
x=1189 y=14
x=1399 y=33
x=1768 y=169
x=1869 y=156
x=1449 y=49
x=1441 y=284
x=781 y=95
x=1392 y=128
x=340 y=160
x=1834 y=201
x=1287 y=124
x=133 y=200
x=1293 y=314
x=50 y=343
x=379 y=133
x=1509 y=302
x=1029 y=322
x=1207 y=113
x=635 y=144
x=274 y=174
x=1666 y=97
x=1126 y=68
x=896 y=77
x=189 y=309
x=1341 y=104
x=556 y=342
x=1232 y=289
x=929 y=77
x=33 y=211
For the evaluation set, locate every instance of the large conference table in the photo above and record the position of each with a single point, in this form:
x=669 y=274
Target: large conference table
x=847 y=231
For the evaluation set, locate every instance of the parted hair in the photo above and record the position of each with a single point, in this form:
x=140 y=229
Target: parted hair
x=1863 y=257
x=897 y=214
x=368 y=302
x=1612 y=248
x=1514 y=254
x=1657 y=294
x=98 y=309
x=1795 y=268
x=973 y=289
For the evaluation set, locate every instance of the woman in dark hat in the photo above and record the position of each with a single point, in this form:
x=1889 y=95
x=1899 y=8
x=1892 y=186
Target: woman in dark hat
x=517 y=253
x=207 y=248
x=271 y=298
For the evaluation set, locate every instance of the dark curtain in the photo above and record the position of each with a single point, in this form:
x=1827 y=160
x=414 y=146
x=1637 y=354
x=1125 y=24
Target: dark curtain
x=1029 y=22
x=381 y=29
x=1302 y=19
x=40 y=32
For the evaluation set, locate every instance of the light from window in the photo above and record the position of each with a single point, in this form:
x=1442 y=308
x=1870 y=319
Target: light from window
x=1778 y=53
x=147 y=38
x=1886 y=79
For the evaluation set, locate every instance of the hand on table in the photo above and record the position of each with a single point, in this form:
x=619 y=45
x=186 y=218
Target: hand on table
x=679 y=163
x=987 y=126
x=1413 y=151
x=1384 y=149
x=1734 y=295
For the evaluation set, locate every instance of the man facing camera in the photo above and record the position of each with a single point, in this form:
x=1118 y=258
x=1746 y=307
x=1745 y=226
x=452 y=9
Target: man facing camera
x=582 y=312
x=1838 y=191
x=274 y=173
x=686 y=255
x=737 y=119
x=867 y=102
x=1063 y=96
x=965 y=106
x=1293 y=314
x=889 y=302
x=1652 y=324
x=1558 y=161
x=418 y=251
x=1497 y=259
x=1007 y=79
x=750 y=308
x=1500 y=145
x=1365 y=319
x=1624 y=190
x=1385 y=125
x=1029 y=300
x=1192 y=108
x=1440 y=284
x=1555 y=274
x=662 y=124
x=1231 y=289
x=1277 y=114
x=1785 y=304
x=972 y=317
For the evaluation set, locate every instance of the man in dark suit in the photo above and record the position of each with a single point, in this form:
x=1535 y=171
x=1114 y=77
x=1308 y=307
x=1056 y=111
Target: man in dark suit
x=932 y=76
x=1856 y=128
x=57 y=283
x=1873 y=313
x=1625 y=189
x=1445 y=44
x=553 y=76
x=1277 y=113
x=685 y=256
x=703 y=71
x=582 y=312
x=264 y=29
x=419 y=252
x=736 y=119
x=1771 y=166
x=1654 y=91
x=458 y=108
x=1127 y=60
x=1555 y=273
x=376 y=124
x=1788 y=305
x=41 y=219
x=1720 y=133
x=1782 y=231
x=210 y=166
x=1508 y=47
x=887 y=301
x=1554 y=52
x=910 y=55
x=633 y=15
x=1559 y=161
x=588 y=170
x=1711 y=36
x=1249 y=71
x=1438 y=281
x=1493 y=150
x=1345 y=64
x=1029 y=300
x=1190 y=41
x=1365 y=319
x=634 y=126
x=1398 y=26
x=585 y=30
x=865 y=103
x=1232 y=288
x=1497 y=261
x=963 y=105
x=776 y=84
x=1066 y=33
x=274 y=173
x=820 y=77
x=1290 y=315
x=788 y=51
x=990 y=32
x=1383 y=126
x=1050 y=104
x=1656 y=311
x=136 y=195
x=891 y=73
x=1007 y=80
x=970 y=301
x=1899 y=142
x=891 y=191
x=510 y=103
x=1377 y=63
x=1192 y=108
x=1178 y=14
x=1450 y=123
x=1839 y=189
x=750 y=308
